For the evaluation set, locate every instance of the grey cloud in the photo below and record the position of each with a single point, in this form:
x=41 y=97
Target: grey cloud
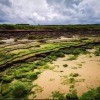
x=79 y=11
x=50 y=11
x=3 y=17
x=66 y=3
x=5 y=2
x=71 y=3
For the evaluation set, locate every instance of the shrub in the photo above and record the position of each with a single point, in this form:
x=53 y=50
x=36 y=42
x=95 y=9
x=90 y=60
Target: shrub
x=89 y=46
x=19 y=90
x=47 y=59
x=72 y=95
x=45 y=67
x=32 y=76
x=25 y=69
x=60 y=54
x=71 y=81
x=74 y=74
x=53 y=57
x=7 y=78
x=93 y=94
x=5 y=89
x=57 y=54
x=97 y=52
x=67 y=51
x=18 y=74
x=40 y=63
x=8 y=27
x=65 y=65
x=29 y=66
x=76 y=51
x=1 y=77
x=58 y=95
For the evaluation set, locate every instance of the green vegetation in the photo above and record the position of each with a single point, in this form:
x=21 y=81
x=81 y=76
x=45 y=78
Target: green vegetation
x=97 y=52
x=7 y=79
x=74 y=74
x=65 y=65
x=38 y=89
x=68 y=80
x=25 y=61
x=10 y=55
x=5 y=89
x=7 y=27
x=71 y=80
x=93 y=94
x=16 y=90
x=40 y=27
x=19 y=90
x=72 y=58
x=72 y=95
x=58 y=95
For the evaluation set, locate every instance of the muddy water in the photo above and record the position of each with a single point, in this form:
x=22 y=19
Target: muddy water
x=88 y=68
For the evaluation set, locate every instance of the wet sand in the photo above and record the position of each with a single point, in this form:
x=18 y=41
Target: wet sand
x=87 y=66
x=62 y=38
x=11 y=40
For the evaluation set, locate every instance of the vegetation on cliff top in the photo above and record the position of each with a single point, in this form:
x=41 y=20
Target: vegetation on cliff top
x=41 y=27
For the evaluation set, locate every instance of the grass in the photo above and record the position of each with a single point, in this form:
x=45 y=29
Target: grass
x=72 y=95
x=5 y=89
x=32 y=75
x=26 y=72
x=97 y=52
x=19 y=90
x=72 y=86
x=45 y=27
x=8 y=79
x=72 y=57
x=74 y=75
x=58 y=95
x=29 y=75
x=56 y=50
x=67 y=80
x=16 y=90
x=93 y=94
x=38 y=89
x=71 y=79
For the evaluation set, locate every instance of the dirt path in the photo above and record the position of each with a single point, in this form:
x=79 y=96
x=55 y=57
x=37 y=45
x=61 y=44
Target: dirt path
x=87 y=66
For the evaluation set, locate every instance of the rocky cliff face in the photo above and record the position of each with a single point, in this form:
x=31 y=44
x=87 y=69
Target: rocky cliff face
x=48 y=33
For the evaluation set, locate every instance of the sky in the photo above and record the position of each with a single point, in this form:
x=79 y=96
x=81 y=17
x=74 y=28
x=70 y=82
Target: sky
x=50 y=12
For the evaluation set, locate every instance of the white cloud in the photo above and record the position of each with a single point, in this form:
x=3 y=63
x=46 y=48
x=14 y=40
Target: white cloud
x=50 y=11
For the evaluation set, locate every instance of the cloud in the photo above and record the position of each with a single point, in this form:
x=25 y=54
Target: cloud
x=50 y=11
x=67 y=3
x=5 y=2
